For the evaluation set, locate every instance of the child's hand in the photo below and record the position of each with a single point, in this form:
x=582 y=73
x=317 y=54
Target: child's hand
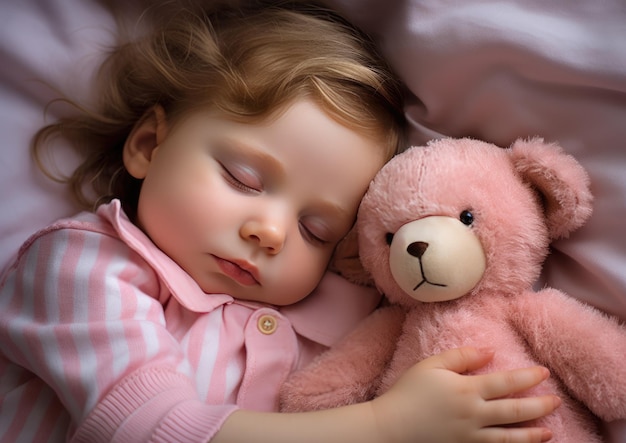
x=432 y=402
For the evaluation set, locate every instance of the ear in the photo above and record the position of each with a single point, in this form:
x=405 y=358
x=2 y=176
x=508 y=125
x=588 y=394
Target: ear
x=560 y=180
x=142 y=141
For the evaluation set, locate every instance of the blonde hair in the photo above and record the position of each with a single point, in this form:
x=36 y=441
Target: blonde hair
x=248 y=62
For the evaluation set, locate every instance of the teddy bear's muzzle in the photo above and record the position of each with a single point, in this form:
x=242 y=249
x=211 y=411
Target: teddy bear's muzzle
x=436 y=258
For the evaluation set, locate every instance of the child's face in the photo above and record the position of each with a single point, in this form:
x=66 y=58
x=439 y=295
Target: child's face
x=254 y=210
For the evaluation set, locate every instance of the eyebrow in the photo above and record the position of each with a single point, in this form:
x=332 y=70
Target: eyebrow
x=335 y=209
x=336 y=212
x=269 y=164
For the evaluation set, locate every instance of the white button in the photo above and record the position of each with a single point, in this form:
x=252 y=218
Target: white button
x=267 y=324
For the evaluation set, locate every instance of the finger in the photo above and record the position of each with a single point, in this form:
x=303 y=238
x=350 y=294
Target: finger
x=460 y=360
x=505 y=383
x=517 y=410
x=511 y=435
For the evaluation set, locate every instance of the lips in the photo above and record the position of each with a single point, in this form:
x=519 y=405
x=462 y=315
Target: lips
x=242 y=272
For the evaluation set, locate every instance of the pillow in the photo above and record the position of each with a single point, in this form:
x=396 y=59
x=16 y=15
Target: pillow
x=43 y=45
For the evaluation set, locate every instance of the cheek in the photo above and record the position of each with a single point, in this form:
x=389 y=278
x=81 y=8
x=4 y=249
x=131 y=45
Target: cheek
x=179 y=184
x=175 y=207
x=301 y=273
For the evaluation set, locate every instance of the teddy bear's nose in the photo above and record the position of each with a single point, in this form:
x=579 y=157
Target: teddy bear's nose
x=417 y=249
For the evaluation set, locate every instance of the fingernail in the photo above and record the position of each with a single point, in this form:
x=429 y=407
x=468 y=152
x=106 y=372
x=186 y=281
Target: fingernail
x=486 y=350
x=546 y=435
x=557 y=402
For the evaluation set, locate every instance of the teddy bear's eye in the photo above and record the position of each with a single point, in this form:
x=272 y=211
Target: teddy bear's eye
x=466 y=217
x=389 y=238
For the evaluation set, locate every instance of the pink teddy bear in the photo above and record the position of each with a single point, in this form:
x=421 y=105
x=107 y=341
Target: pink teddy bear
x=454 y=234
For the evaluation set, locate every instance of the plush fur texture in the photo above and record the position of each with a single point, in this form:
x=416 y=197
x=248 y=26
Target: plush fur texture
x=518 y=200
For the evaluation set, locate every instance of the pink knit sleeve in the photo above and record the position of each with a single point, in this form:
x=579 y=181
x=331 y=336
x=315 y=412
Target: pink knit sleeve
x=156 y=405
x=83 y=313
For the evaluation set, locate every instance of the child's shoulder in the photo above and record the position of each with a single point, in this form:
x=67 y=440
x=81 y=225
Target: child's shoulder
x=63 y=235
x=70 y=227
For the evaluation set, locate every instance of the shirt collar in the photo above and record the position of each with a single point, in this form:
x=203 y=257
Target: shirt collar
x=333 y=309
x=180 y=284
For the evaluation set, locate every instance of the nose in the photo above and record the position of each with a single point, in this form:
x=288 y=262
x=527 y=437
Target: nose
x=417 y=249
x=269 y=234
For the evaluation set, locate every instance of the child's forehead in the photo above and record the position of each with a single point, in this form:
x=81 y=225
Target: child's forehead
x=343 y=114
x=303 y=142
x=297 y=116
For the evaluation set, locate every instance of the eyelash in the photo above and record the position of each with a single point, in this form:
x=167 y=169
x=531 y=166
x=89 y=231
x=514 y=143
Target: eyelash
x=312 y=237
x=236 y=183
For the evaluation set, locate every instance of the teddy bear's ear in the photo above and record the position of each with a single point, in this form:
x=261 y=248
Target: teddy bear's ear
x=559 y=179
x=346 y=262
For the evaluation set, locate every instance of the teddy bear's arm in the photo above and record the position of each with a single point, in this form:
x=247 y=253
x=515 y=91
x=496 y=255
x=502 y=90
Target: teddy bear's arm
x=580 y=345
x=350 y=371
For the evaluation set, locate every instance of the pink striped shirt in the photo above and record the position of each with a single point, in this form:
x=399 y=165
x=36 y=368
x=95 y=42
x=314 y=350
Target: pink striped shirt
x=104 y=338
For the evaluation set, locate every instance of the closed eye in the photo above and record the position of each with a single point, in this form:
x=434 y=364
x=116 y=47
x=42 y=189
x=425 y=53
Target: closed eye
x=242 y=180
x=311 y=237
